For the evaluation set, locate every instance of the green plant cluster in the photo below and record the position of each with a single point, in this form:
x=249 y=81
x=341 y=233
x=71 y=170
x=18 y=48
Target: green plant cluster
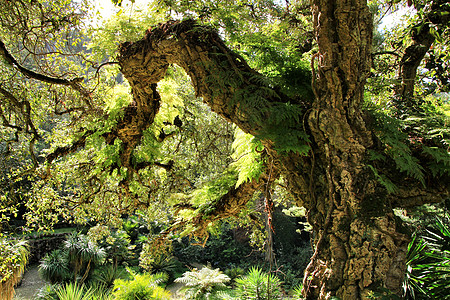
x=141 y=286
x=13 y=260
x=417 y=145
x=428 y=261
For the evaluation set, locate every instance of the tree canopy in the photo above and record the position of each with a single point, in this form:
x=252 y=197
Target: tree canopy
x=187 y=111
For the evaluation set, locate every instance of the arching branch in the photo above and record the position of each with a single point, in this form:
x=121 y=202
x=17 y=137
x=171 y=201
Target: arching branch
x=224 y=80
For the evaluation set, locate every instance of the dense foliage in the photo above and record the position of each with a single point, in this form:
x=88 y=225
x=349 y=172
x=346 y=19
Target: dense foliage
x=144 y=165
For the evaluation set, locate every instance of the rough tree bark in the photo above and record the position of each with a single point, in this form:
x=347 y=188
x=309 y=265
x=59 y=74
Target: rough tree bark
x=359 y=244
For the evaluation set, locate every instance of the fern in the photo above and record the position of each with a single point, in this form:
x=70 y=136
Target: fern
x=396 y=146
x=142 y=286
x=213 y=190
x=284 y=128
x=386 y=182
x=203 y=284
x=248 y=160
x=441 y=164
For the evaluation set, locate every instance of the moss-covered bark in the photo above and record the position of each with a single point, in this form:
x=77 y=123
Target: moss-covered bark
x=359 y=245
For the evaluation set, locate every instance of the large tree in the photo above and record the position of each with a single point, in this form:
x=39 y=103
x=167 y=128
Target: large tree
x=347 y=164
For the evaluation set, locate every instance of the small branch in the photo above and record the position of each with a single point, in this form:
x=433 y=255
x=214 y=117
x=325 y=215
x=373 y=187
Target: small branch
x=386 y=53
x=74 y=83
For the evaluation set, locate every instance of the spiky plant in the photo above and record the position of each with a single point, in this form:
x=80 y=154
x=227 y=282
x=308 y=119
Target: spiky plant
x=13 y=260
x=47 y=292
x=83 y=255
x=428 y=264
x=258 y=285
x=203 y=284
x=100 y=291
x=73 y=291
x=54 y=267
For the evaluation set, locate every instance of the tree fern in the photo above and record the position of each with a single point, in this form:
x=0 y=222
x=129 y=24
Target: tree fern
x=203 y=284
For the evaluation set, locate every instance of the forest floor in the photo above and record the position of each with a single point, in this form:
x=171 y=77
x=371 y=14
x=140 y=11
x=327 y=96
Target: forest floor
x=31 y=283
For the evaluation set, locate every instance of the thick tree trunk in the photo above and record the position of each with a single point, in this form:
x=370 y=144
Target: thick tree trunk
x=358 y=244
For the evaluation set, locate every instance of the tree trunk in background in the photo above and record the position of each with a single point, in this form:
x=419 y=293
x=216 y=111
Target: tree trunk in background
x=358 y=246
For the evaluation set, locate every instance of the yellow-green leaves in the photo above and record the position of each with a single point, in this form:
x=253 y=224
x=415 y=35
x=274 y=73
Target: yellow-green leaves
x=247 y=159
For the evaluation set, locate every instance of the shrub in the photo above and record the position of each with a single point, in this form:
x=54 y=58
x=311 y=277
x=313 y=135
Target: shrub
x=13 y=259
x=141 y=287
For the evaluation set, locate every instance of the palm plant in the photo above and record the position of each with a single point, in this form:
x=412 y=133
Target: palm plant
x=54 y=267
x=203 y=284
x=117 y=247
x=83 y=254
x=13 y=259
x=258 y=285
x=161 y=264
x=106 y=275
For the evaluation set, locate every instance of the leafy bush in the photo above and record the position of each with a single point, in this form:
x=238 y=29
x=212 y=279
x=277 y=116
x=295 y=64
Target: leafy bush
x=141 y=287
x=106 y=275
x=47 y=292
x=258 y=285
x=203 y=284
x=13 y=259
x=221 y=250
